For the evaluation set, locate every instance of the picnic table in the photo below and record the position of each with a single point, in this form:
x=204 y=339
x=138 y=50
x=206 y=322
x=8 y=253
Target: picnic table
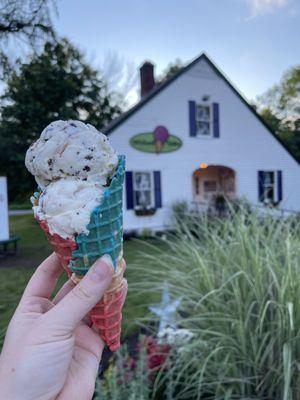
x=9 y=246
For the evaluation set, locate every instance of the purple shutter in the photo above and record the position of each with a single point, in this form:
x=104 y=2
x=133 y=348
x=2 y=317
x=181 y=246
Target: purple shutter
x=157 y=189
x=261 y=178
x=129 y=190
x=216 y=123
x=279 y=186
x=192 y=118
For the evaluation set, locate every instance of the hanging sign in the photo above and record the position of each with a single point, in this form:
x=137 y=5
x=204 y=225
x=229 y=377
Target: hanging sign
x=158 y=141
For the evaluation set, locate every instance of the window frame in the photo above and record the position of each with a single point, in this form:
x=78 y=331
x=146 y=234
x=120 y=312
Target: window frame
x=210 y=121
x=140 y=207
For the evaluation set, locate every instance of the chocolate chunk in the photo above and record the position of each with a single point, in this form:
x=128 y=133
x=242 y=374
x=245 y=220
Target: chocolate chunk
x=86 y=168
x=88 y=157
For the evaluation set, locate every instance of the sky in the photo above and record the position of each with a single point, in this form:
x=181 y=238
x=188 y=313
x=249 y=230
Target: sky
x=252 y=41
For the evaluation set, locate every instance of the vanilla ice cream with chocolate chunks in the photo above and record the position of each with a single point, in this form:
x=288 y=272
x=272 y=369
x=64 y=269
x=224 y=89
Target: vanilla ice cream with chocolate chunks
x=71 y=149
x=72 y=163
x=66 y=205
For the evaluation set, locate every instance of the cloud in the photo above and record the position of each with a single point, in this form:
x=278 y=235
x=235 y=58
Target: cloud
x=262 y=7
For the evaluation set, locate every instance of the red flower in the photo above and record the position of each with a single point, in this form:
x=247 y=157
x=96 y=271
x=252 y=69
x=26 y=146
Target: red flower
x=156 y=353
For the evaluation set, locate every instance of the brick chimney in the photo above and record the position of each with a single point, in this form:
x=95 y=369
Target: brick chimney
x=147 y=78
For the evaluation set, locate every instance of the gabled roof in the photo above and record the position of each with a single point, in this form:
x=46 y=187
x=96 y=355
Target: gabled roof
x=123 y=117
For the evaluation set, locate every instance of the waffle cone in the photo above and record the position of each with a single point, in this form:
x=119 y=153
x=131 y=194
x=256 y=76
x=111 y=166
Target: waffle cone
x=107 y=314
x=105 y=237
x=62 y=247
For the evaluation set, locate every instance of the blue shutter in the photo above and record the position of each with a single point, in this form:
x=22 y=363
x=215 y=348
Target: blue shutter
x=157 y=189
x=279 y=186
x=261 y=178
x=129 y=190
x=216 y=123
x=192 y=118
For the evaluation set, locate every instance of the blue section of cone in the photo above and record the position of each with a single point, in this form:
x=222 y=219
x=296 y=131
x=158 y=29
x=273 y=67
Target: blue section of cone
x=105 y=227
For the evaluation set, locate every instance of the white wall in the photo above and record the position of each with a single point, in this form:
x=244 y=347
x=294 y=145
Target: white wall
x=4 y=230
x=245 y=145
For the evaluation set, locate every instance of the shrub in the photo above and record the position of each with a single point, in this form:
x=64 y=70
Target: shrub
x=239 y=281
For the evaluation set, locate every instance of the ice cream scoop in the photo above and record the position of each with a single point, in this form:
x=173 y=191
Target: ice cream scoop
x=66 y=205
x=71 y=149
x=161 y=135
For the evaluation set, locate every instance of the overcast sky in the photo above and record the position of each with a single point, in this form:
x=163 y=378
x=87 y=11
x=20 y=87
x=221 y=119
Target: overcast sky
x=252 y=41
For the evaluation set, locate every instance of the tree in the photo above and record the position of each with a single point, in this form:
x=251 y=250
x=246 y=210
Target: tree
x=280 y=108
x=283 y=99
x=171 y=70
x=27 y=22
x=56 y=84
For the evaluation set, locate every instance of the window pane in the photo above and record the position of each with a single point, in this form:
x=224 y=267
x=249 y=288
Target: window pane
x=143 y=198
x=269 y=178
x=203 y=128
x=203 y=113
x=269 y=194
x=142 y=180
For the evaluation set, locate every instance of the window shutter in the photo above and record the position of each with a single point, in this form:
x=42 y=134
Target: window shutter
x=192 y=116
x=129 y=190
x=261 y=177
x=216 y=123
x=279 y=186
x=157 y=189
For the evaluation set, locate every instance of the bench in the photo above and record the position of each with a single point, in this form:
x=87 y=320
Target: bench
x=9 y=246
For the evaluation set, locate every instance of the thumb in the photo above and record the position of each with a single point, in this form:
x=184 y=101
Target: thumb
x=79 y=301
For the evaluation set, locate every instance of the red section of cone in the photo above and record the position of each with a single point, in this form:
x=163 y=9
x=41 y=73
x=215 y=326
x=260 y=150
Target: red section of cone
x=107 y=317
x=62 y=247
x=107 y=314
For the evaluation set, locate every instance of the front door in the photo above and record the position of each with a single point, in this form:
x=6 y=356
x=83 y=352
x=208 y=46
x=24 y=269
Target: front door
x=210 y=182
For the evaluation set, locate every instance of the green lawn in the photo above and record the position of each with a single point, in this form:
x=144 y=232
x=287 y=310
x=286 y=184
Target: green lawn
x=16 y=270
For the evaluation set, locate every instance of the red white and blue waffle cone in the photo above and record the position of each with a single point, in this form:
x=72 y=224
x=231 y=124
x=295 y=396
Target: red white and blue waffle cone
x=105 y=237
x=107 y=314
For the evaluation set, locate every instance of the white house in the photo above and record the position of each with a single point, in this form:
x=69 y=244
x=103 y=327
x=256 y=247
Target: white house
x=195 y=138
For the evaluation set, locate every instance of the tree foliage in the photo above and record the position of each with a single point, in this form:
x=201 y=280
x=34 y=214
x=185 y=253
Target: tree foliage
x=284 y=98
x=280 y=108
x=56 y=84
x=27 y=22
x=171 y=70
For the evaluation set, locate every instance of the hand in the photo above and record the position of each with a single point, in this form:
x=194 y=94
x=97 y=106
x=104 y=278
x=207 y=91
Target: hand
x=51 y=351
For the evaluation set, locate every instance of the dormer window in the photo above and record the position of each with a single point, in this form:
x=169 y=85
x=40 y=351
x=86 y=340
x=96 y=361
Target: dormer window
x=203 y=120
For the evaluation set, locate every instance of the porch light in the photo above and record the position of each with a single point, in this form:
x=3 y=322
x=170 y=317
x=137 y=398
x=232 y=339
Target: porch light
x=203 y=165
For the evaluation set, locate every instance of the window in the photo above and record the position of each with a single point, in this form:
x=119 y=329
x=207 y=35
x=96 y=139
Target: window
x=143 y=189
x=203 y=120
x=268 y=195
x=210 y=186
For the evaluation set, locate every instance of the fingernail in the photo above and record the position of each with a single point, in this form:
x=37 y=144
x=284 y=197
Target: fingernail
x=108 y=260
x=103 y=267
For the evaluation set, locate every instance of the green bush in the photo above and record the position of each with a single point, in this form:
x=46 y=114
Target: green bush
x=239 y=281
